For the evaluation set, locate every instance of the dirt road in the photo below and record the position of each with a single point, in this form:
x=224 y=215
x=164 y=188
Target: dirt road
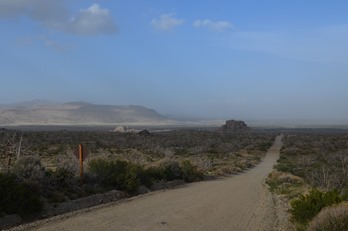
x=235 y=203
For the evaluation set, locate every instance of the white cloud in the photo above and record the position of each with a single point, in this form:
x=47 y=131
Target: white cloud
x=93 y=20
x=54 y=15
x=166 y=22
x=216 y=26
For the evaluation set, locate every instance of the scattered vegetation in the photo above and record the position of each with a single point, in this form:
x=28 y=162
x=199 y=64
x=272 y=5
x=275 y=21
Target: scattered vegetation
x=306 y=207
x=320 y=159
x=312 y=173
x=43 y=168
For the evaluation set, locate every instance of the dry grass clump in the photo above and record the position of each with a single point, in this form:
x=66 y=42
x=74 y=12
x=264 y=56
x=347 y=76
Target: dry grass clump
x=333 y=218
x=286 y=184
x=226 y=170
x=285 y=178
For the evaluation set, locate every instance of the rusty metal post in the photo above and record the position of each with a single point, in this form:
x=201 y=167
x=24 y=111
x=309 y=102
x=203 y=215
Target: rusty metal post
x=81 y=160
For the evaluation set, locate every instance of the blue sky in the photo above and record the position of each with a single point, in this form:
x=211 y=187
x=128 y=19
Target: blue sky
x=219 y=59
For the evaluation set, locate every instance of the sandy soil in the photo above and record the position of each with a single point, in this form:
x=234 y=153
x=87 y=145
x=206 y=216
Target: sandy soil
x=240 y=202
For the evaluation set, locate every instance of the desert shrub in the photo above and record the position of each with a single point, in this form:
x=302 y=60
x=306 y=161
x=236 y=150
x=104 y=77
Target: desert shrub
x=344 y=193
x=29 y=168
x=61 y=182
x=56 y=197
x=306 y=207
x=115 y=174
x=190 y=173
x=333 y=218
x=285 y=167
x=154 y=172
x=68 y=162
x=147 y=176
x=64 y=178
x=18 y=197
x=264 y=146
x=171 y=170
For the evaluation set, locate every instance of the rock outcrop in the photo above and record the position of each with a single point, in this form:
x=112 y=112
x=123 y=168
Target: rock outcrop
x=234 y=126
x=144 y=133
x=123 y=129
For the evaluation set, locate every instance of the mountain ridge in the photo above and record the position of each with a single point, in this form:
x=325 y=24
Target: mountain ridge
x=43 y=112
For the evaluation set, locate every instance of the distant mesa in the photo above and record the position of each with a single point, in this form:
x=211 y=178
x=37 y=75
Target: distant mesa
x=234 y=126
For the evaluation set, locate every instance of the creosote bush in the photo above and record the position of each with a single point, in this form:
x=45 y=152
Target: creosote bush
x=118 y=174
x=126 y=176
x=18 y=197
x=306 y=207
x=171 y=170
x=61 y=183
x=190 y=172
x=29 y=168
